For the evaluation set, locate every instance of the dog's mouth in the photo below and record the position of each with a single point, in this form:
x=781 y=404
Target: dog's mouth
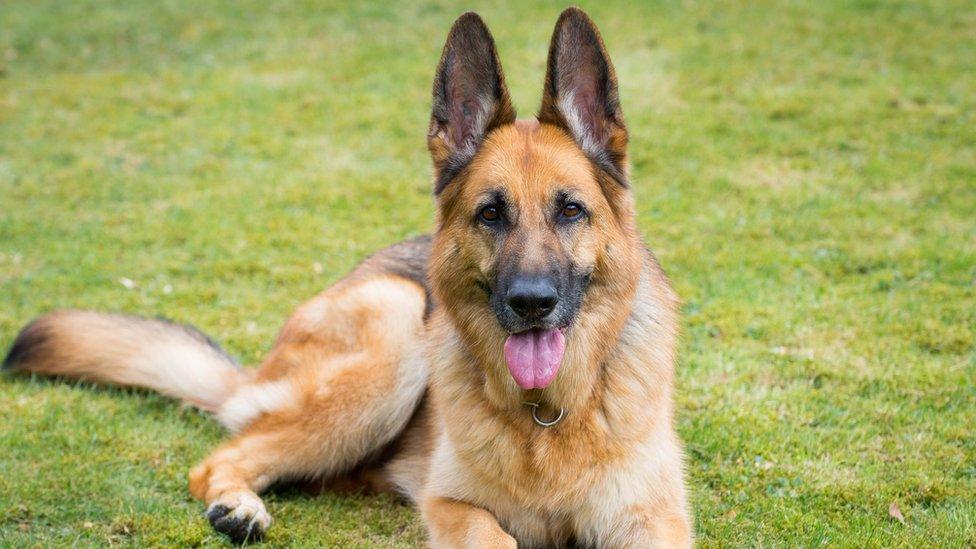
x=534 y=356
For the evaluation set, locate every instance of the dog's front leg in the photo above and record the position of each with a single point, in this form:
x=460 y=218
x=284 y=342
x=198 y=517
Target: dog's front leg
x=454 y=524
x=640 y=528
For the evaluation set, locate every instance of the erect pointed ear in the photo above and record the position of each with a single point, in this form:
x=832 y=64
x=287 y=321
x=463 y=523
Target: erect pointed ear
x=580 y=93
x=470 y=98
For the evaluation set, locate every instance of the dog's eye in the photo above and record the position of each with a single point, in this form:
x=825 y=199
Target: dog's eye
x=572 y=211
x=489 y=214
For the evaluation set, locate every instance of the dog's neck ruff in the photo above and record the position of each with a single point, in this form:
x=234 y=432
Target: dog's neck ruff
x=541 y=422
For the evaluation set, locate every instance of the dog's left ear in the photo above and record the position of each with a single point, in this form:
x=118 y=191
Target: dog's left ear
x=581 y=95
x=470 y=98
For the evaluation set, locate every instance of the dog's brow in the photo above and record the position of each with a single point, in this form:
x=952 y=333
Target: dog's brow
x=493 y=196
x=566 y=194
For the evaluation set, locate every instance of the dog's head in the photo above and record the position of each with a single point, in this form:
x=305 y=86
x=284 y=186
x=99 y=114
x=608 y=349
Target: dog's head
x=535 y=244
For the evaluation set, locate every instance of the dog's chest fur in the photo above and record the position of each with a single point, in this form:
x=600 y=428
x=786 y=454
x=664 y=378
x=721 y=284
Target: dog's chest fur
x=552 y=485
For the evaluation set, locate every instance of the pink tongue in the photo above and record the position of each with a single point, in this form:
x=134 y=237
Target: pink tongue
x=534 y=357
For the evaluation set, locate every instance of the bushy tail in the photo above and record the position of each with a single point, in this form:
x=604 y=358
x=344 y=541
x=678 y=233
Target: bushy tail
x=173 y=359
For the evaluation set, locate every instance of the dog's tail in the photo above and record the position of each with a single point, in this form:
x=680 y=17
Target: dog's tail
x=173 y=359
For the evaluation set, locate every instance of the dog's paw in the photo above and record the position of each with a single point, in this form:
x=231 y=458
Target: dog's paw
x=241 y=517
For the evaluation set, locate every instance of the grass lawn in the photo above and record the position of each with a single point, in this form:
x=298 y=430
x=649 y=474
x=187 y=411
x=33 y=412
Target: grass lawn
x=806 y=172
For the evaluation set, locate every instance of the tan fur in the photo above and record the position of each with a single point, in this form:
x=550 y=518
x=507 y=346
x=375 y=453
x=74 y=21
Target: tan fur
x=124 y=350
x=352 y=359
x=342 y=393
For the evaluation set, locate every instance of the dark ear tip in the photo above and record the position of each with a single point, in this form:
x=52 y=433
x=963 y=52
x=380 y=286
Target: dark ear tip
x=575 y=22
x=468 y=21
x=574 y=13
x=471 y=16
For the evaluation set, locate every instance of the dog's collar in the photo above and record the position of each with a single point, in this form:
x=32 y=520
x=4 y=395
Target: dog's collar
x=541 y=422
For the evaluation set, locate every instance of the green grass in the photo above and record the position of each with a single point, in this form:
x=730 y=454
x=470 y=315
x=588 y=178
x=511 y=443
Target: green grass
x=806 y=172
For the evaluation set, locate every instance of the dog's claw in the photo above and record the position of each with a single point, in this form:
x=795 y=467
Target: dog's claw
x=241 y=524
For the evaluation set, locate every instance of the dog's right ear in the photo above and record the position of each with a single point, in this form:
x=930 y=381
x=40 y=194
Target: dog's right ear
x=470 y=98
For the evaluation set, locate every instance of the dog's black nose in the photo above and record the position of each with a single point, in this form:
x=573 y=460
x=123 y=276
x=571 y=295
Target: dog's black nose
x=532 y=298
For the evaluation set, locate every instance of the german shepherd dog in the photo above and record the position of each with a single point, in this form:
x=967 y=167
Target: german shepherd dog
x=511 y=374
